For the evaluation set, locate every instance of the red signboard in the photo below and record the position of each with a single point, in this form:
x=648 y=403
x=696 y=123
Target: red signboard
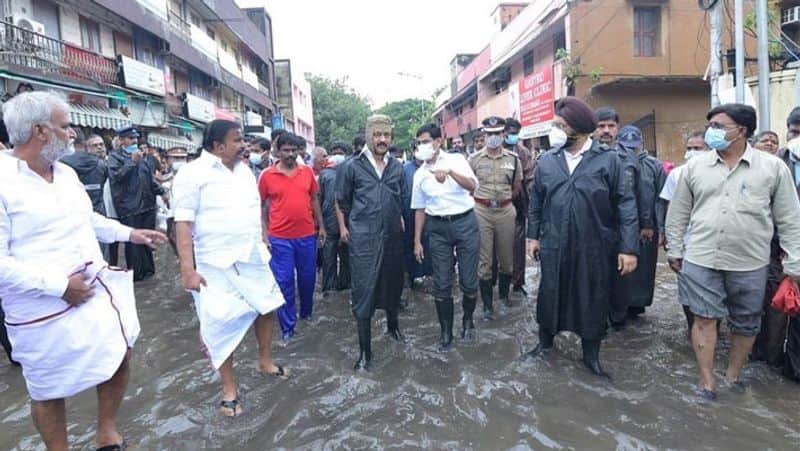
x=536 y=98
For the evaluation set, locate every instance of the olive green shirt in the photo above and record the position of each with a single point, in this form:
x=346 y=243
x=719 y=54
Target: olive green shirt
x=496 y=175
x=731 y=214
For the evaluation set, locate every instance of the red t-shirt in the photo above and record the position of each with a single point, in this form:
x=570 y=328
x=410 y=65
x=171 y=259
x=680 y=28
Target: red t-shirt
x=290 y=214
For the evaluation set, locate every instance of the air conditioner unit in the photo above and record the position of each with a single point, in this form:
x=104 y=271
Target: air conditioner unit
x=501 y=76
x=28 y=24
x=790 y=15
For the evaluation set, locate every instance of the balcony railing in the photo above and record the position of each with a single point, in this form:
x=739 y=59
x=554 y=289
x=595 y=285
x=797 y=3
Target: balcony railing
x=22 y=47
x=203 y=42
x=180 y=25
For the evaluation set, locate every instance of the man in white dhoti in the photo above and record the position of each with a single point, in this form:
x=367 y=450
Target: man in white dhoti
x=217 y=209
x=71 y=319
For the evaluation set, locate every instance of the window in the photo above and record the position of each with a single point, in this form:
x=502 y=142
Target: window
x=527 y=62
x=90 y=34
x=559 y=42
x=646 y=31
x=195 y=20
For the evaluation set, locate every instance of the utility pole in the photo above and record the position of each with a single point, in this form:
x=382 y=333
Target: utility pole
x=763 y=65
x=739 y=38
x=716 y=57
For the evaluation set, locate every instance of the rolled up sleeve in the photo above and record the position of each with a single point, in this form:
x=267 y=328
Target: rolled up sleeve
x=186 y=197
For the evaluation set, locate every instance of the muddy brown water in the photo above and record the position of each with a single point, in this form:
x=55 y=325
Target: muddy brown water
x=477 y=396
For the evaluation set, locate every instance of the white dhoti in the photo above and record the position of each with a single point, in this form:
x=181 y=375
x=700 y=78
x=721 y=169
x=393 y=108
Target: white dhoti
x=228 y=306
x=69 y=350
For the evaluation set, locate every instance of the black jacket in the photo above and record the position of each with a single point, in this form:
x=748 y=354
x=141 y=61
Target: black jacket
x=327 y=200
x=582 y=222
x=93 y=173
x=133 y=185
x=373 y=207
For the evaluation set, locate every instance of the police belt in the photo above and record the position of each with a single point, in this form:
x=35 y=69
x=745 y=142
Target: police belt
x=491 y=203
x=451 y=218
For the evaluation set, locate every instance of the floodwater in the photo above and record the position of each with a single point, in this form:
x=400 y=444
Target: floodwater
x=477 y=396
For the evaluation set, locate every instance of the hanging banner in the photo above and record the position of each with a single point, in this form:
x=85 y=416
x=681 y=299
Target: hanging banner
x=536 y=103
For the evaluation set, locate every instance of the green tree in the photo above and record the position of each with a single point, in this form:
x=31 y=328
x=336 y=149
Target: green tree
x=408 y=115
x=340 y=113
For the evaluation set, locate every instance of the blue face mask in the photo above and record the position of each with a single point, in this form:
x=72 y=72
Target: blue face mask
x=715 y=138
x=133 y=148
x=512 y=140
x=255 y=158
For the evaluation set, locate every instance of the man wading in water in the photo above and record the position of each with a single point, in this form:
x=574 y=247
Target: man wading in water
x=580 y=203
x=370 y=192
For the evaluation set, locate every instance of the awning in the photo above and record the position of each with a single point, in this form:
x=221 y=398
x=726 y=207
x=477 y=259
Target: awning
x=97 y=117
x=167 y=142
x=52 y=85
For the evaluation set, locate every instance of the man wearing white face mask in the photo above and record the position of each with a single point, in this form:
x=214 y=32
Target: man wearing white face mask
x=134 y=189
x=582 y=226
x=442 y=199
x=499 y=174
x=71 y=320
x=735 y=199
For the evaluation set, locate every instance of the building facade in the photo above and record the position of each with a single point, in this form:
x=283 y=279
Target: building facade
x=165 y=66
x=294 y=100
x=645 y=58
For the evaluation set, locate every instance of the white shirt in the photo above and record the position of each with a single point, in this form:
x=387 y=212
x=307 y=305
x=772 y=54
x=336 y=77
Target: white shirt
x=47 y=231
x=442 y=199
x=224 y=208
x=574 y=160
x=374 y=163
x=671 y=183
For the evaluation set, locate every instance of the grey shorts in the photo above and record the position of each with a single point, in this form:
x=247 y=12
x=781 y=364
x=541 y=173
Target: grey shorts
x=737 y=295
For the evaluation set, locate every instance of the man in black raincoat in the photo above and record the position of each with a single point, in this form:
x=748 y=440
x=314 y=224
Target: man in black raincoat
x=370 y=192
x=651 y=180
x=134 y=190
x=583 y=224
x=621 y=285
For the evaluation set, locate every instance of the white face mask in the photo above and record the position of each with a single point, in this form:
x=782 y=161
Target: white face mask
x=336 y=160
x=177 y=165
x=693 y=153
x=557 y=138
x=424 y=152
x=794 y=148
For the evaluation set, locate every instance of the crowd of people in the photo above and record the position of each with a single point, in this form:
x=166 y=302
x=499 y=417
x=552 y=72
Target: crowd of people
x=253 y=220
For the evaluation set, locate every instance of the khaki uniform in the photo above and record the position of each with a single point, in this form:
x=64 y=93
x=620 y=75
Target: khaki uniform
x=497 y=176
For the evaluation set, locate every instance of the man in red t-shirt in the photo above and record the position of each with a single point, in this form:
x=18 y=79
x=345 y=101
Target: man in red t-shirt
x=291 y=208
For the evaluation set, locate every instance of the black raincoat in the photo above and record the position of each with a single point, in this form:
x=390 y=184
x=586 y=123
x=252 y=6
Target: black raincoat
x=373 y=207
x=651 y=180
x=133 y=185
x=582 y=222
x=327 y=192
x=622 y=286
x=93 y=173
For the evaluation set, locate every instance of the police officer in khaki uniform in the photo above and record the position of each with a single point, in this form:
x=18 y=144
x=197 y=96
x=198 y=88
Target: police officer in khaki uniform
x=499 y=176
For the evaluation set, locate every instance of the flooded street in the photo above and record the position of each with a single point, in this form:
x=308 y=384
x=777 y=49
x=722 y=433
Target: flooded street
x=474 y=397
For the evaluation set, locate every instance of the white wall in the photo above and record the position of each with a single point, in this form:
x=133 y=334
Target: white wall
x=22 y=8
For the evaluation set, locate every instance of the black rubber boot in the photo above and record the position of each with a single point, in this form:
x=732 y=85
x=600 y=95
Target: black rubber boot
x=444 y=310
x=468 y=326
x=364 y=344
x=486 y=297
x=393 y=327
x=504 y=288
x=591 y=357
x=543 y=347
